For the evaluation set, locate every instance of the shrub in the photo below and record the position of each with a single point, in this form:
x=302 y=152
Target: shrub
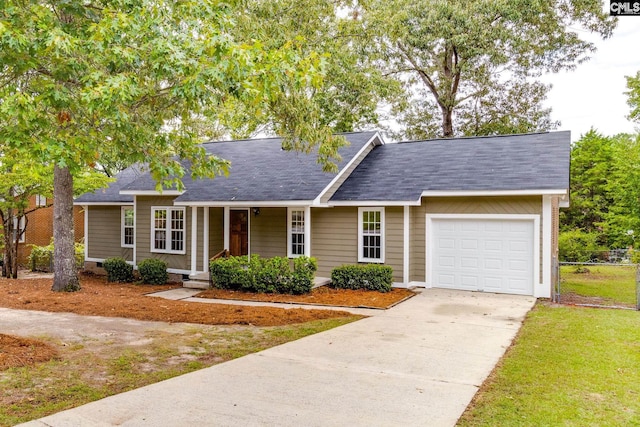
x=230 y=273
x=373 y=277
x=153 y=271
x=304 y=270
x=41 y=257
x=271 y=275
x=118 y=270
x=578 y=246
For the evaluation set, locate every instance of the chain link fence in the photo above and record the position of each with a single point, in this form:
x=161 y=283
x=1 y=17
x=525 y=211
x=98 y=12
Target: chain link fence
x=599 y=284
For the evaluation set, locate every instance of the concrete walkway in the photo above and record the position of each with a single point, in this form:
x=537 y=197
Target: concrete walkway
x=419 y=363
x=186 y=294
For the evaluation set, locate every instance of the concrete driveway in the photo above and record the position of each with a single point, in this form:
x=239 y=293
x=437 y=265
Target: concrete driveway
x=419 y=363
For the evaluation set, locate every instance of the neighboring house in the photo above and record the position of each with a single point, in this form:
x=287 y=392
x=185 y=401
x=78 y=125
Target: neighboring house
x=39 y=226
x=464 y=213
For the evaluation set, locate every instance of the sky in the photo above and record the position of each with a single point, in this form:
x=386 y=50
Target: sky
x=592 y=95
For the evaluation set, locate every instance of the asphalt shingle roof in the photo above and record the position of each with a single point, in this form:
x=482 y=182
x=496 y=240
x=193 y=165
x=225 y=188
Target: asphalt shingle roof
x=111 y=194
x=401 y=172
x=260 y=171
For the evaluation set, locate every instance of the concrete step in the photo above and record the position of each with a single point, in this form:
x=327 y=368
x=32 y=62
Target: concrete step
x=195 y=284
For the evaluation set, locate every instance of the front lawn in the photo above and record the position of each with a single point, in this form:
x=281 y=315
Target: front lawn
x=569 y=366
x=601 y=284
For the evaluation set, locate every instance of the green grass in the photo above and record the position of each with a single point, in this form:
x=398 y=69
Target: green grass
x=569 y=366
x=614 y=284
x=95 y=370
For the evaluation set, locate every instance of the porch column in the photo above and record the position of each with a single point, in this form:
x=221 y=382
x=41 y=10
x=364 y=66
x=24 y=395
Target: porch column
x=227 y=221
x=205 y=239
x=194 y=239
x=405 y=246
x=307 y=230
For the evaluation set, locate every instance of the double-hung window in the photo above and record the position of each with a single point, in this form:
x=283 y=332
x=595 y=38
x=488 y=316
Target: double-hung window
x=296 y=232
x=371 y=235
x=41 y=200
x=128 y=227
x=168 y=230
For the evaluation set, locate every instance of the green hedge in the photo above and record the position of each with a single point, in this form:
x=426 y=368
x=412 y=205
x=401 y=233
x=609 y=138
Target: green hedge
x=118 y=270
x=153 y=271
x=41 y=257
x=263 y=275
x=373 y=277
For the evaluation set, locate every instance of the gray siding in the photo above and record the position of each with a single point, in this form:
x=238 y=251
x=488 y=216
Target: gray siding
x=143 y=232
x=216 y=231
x=417 y=243
x=394 y=240
x=334 y=237
x=104 y=233
x=268 y=232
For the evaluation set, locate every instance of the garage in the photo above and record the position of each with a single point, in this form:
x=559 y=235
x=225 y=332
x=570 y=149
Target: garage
x=483 y=253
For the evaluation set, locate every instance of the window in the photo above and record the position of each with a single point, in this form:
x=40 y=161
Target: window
x=167 y=230
x=41 y=200
x=296 y=232
x=20 y=229
x=128 y=226
x=371 y=235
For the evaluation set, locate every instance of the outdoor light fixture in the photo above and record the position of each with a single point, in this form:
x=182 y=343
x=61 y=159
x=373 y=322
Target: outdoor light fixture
x=256 y=211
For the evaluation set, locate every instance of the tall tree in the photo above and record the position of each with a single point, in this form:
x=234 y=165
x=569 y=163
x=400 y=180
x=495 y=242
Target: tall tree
x=143 y=80
x=622 y=221
x=22 y=179
x=633 y=94
x=468 y=67
x=591 y=169
x=352 y=88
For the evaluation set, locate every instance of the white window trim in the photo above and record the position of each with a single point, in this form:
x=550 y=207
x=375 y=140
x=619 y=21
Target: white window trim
x=168 y=229
x=41 y=200
x=122 y=226
x=361 y=257
x=305 y=216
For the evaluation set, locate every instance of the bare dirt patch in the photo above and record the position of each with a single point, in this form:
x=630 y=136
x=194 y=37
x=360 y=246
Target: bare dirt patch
x=320 y=296
x=19 y=351
x=570 y=298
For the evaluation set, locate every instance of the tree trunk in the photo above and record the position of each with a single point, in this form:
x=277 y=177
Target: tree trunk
x=65 y=274
x=447 y=122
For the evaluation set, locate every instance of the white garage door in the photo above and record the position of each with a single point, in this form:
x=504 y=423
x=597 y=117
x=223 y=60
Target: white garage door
x=490 y=255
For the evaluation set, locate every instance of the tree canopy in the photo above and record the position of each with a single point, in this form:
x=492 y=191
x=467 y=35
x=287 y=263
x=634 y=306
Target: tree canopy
x=143 y=80
x=470 y=67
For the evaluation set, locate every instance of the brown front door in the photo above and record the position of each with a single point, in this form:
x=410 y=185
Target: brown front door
x=239 y=233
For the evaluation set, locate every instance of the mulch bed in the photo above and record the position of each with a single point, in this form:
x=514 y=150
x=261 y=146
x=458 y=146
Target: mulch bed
x=100 y=298
x=323 y=295
x=18 y=351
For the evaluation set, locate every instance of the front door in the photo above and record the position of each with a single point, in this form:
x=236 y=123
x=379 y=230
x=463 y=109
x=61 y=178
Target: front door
x=239 y=233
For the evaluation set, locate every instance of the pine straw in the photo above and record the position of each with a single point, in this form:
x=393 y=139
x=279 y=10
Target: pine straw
x=100 y=298
x=18 y=351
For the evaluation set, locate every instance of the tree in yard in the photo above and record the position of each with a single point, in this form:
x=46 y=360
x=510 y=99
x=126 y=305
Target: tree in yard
x=633 y=84
x=142 y=80
x=352 y=88
x=468 y=67
x=23 y=178
x=591 y=171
